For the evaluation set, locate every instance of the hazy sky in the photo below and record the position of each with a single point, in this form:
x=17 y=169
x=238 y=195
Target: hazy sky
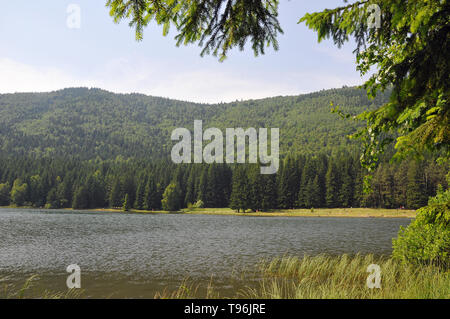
x=38 y=52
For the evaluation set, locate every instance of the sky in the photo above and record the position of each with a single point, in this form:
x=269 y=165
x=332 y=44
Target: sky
x=40 y=53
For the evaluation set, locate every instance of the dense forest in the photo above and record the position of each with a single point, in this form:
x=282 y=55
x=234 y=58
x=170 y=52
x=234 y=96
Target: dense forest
x=303 y=181
x=88 y=148
x=96 y=124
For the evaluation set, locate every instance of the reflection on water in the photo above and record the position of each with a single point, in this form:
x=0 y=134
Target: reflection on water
x=137 y=254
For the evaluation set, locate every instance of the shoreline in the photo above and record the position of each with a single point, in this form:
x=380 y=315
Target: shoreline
x=319 y=212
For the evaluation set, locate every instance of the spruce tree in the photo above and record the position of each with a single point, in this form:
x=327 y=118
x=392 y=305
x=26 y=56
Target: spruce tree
x=387 y=191
x=191 y=195
x=81 y=198
x=203 y=186
x=312 y=198
x=347 y=188
x=289 y=183
x=115 y=195
x=269 y=196
x=4 y=194
x=256 y=187
x=140 y=194
x=416 y=193
x=152 y=197
x=240 y=191
x=332 y=188
x=401 y=184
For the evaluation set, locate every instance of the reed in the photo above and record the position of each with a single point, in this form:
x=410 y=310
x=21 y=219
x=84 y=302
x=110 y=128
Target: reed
x=336 y=277
x=29 y=291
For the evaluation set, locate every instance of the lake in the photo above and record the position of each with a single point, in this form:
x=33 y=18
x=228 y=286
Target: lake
x=135 y=255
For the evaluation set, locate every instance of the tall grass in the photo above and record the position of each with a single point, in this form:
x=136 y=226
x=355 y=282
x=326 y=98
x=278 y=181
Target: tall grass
x=28 y=290
x=344 y=276
x=318 y=277
x=340 y=277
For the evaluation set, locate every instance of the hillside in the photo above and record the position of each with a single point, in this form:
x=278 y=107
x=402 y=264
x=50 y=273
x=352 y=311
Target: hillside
x=71 y=148
x=93 y=123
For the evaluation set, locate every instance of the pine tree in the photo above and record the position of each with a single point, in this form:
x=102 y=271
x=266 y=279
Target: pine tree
x=152 y=198
x=401 y=184
x=347 y=188
x=115 y=195
x=240 y=190
x=289 y=183
x=256 y=187
x=129 y=187
x=52 y=199
x=358 y=190
x=321 y=170
x=332 y=188
x=96 y=190
x=81 y=198
x=140 y=194
x=212 y=194
x=191 y=195
x=64 y=192
x=313 y=193
x=203 y=186
x=269 y=195
x=36 y=191
x=387 y=192
x=282 y=186
x=307 y=179
x=416 y=193
x=179 y=180
x=4 y=194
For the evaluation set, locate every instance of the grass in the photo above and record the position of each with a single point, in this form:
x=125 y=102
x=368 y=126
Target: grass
x=341 y=277
x=318 y=277
x=345 y=277
x=27 y=290
x=316 y=212
x=319 y=212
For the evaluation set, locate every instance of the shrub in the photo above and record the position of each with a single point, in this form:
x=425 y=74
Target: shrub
x=199 y=204
x=427 y=239
x=171 y=198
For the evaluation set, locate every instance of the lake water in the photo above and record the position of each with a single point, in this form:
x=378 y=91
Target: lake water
x=135 y=255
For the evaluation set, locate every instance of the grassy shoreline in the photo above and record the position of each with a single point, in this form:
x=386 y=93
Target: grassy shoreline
x=291 y=277
x=336 y=277
x=318 y=212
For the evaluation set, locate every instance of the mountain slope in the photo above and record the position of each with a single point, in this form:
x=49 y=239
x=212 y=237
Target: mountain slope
x=92 y=123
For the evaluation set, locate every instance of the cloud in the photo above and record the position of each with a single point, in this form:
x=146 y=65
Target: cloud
x=20 y=77
x=208 y=85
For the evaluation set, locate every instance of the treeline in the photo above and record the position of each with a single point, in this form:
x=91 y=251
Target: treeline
x=303 y=181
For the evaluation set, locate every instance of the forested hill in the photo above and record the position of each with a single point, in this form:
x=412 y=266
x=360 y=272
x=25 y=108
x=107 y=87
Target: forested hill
x=93 y=123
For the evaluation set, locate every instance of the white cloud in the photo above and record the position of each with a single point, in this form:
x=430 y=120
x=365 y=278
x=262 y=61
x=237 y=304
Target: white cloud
x=20 y=77
x=199 y=85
